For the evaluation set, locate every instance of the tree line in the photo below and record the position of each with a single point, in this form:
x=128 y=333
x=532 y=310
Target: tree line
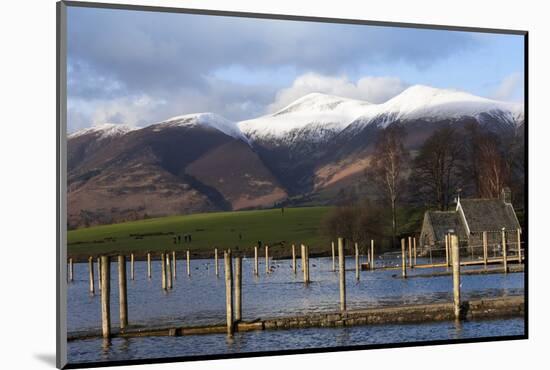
x=465 y=160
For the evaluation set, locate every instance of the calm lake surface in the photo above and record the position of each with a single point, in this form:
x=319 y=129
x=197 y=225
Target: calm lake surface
x=200 y=299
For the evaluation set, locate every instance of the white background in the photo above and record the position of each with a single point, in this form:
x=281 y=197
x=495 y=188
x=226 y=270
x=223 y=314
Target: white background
x=27 y=182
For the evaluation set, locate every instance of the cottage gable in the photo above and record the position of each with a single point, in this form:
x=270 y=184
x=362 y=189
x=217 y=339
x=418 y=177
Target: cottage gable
x=471 y=218
x=442 y=222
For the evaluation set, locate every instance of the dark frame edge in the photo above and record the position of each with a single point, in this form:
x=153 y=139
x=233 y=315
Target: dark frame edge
x=288 y=17
x=61 y=168
x=526 y=179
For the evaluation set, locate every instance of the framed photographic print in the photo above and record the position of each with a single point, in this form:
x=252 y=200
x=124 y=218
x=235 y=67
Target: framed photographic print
x=235 y=184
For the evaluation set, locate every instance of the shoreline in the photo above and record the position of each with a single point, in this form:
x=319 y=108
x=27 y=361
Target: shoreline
x=479 y=309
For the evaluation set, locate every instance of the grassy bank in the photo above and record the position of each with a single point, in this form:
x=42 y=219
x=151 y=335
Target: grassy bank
x=239 y=230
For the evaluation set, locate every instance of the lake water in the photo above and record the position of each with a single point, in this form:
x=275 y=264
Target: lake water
x=200 y=299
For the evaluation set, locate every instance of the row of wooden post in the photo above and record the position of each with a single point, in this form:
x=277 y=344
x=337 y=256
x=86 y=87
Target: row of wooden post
x=166 y=281
x=234 y=284
x=370 y=258
x=168 y=264
x=486 y=248
x=411 y=252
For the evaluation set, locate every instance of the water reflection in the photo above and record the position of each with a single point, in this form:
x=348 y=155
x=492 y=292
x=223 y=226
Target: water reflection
x=105 y=347
x=458 y=326
x=273 y=340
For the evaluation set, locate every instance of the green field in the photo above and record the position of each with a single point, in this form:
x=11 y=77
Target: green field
x=208 y=230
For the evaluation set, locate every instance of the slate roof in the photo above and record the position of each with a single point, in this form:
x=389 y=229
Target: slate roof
x=442 y=222
x=488 y=215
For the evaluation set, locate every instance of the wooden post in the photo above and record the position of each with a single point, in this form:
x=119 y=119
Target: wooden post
x=303 y=256
x=305 y=262
x=485 y=251
x=410 y=253
x=238 y=289
x=414 y=251
x=91 y=274
x=356 y=262
x=228 y=291
x=403 y=259
x=99 y=273
x=149 y=265
x=188 y=263
x=372 y=254
x=105 y=296
x=519 y=244
x=163 y=270
x=132 y=266
x=216 y=262
x=333 y=258
x=294 y=259
x=368 y=258
x=267 y=259
x=122 y=293
x=256 y=260
x=456 y=274
x=504 y=252
x=168 y=272
x=71 y=269
x=447 y=250
x=342 y=273
x=174 y=264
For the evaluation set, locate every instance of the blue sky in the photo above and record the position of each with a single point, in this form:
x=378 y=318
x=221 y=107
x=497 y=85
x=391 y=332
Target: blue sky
x=140 y=67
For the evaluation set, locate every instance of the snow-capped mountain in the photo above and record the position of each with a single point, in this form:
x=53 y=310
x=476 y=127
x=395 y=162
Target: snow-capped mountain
x=104 y=130
x=431 y=104
x=317 y=117
x=313 y=117
x=205 y=120
x=306 y=152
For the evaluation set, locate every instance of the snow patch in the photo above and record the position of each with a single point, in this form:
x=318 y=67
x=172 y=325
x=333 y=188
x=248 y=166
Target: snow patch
x=426 y=102
x=104 y=130
x=317 y=114
x=210 y=120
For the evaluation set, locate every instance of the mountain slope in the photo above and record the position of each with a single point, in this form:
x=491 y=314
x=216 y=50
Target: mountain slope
x=166 y=168
x=311 y=149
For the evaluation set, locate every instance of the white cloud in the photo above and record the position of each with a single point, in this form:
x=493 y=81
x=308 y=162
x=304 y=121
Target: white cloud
x=510 y=88
x=233 y=101
x=133 y=110
x=372 y=89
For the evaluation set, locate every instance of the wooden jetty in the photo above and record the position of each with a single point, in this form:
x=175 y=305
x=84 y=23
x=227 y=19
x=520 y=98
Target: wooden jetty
x=490 y=261
x=502 y=307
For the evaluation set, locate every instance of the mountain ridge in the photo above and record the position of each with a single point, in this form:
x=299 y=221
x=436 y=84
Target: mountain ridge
x=327 y=113
x=203 y=162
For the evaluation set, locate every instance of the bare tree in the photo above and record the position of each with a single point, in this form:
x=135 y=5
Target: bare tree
x=490 y=159
x=436 y=168
x=494 y=169
x=388 y=169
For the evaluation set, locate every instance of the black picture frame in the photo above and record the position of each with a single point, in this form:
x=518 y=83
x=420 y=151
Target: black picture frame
x=61 y=191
